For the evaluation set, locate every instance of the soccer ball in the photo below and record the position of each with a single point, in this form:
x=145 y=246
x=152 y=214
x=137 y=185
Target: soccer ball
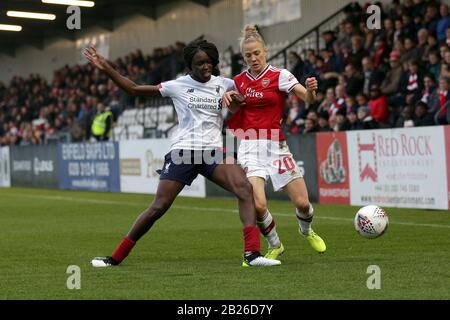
x=371 y=222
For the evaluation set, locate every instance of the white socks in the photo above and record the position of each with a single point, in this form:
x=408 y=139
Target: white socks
x=305 y=220
x=268 y=229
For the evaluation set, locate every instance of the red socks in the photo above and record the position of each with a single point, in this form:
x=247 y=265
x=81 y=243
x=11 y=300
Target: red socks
x=251 y=244
x=123 y=250
x=251 y=239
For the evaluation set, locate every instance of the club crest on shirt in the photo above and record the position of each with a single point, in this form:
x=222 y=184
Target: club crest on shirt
x=265 y=82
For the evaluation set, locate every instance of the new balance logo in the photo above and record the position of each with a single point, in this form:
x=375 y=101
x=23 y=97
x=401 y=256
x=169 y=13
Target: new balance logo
x=190 y=91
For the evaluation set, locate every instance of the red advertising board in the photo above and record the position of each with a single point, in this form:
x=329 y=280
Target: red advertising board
x=447 y=152
x=332 y=166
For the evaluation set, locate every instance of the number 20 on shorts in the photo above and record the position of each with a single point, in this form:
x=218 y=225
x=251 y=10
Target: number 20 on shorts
x=288 y=163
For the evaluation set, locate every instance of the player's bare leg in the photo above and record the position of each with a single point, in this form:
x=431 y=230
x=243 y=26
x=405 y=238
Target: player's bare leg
x=166 y=194
x=167 y=191
x=266 y=222
x=298 y=193
x=231 y=177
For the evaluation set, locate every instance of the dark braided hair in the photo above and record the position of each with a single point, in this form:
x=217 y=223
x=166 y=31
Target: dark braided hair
x=192 y=48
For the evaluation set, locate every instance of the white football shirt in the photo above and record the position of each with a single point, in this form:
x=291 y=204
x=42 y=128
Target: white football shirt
x=199 y=109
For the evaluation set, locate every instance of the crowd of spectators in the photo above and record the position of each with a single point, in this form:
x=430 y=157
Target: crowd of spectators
x=394 y=77
x=33 y=110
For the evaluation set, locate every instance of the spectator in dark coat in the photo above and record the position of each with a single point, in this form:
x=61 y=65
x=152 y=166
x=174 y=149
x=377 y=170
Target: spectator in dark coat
x=405 y=120
x=323 y=123
x=299 y=68
x=365 y=120
x=371 y=75
x=443 y=23
x=411 y=84
x=422 y=116
x=358 y=52
x=354 y=81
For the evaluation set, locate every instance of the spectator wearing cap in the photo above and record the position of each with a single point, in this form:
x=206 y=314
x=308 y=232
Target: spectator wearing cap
x=323 y=122
x=422 y=116
x=378 y=104
x=391 y=82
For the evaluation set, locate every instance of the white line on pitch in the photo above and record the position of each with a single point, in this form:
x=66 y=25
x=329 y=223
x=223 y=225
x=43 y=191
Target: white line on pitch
x=140 y=204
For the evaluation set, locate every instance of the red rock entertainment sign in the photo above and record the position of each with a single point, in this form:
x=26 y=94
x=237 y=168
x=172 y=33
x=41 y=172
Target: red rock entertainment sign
x=399 y=167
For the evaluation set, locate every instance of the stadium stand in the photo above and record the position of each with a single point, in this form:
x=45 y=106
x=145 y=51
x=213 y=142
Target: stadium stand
x=398 y=76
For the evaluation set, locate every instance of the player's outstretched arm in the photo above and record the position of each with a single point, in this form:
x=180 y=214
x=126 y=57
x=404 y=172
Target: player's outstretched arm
x=124 y=83
x=308 y=93
x=233 y=101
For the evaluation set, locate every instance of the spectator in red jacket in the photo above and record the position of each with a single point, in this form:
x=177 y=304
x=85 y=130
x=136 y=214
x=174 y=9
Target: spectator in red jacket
x=378 y=104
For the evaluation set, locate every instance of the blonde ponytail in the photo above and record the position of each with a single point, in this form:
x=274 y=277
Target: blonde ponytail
x=250 y=33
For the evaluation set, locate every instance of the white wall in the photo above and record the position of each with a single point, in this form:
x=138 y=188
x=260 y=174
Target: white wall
x=28 y=59
x=183 y=21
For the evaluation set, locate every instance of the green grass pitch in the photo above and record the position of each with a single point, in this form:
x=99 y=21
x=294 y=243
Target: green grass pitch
x=194 y=251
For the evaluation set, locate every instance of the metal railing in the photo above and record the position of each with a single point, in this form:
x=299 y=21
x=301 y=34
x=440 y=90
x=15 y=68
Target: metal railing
x=312 y=38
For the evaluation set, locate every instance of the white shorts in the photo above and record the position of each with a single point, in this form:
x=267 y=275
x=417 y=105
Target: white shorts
x=266 y=158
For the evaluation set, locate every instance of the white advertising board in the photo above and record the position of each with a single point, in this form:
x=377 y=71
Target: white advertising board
x=398 y=168
x=139 y=160
x=5 y=172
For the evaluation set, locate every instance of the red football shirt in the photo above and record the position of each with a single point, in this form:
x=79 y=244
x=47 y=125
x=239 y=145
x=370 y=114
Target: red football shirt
x=265 y=97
